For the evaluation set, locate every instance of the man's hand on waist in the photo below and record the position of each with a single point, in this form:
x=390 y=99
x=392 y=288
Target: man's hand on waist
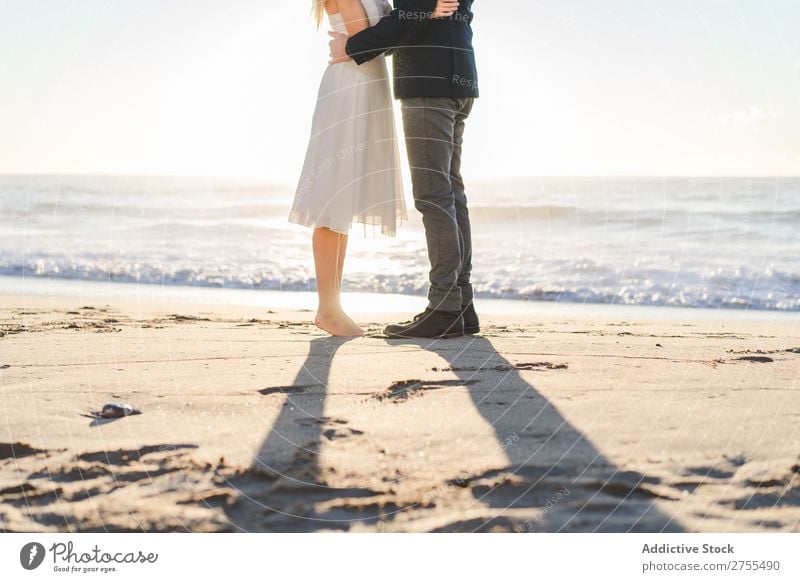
x=337 y=46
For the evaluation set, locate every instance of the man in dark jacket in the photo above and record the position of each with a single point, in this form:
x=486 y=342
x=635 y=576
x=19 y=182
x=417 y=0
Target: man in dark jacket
x=436 y=80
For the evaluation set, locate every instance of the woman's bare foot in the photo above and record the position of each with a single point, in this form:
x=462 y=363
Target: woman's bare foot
x=338 y=324
x=355 y=325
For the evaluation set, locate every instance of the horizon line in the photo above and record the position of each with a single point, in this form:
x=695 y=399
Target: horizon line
x=265 y=180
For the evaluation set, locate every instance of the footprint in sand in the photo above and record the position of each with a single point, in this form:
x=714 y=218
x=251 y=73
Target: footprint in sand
x=756 y=359
x=404 y=389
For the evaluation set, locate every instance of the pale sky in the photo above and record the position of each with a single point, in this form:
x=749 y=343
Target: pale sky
x=568 y=87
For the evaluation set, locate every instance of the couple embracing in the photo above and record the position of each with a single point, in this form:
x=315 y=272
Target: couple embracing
x=352 y=167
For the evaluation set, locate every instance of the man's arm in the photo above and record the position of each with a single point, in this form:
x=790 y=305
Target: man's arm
x=355 y=20
x=407 y=18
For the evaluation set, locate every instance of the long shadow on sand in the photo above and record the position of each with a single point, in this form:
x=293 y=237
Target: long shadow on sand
x=554 y=479
x=285 y=486
x=552 y=467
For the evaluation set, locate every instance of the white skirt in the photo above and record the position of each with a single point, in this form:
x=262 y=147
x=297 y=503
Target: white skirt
x=352 y=166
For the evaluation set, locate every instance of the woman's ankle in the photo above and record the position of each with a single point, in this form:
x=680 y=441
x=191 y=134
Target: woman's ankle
x=330 y=311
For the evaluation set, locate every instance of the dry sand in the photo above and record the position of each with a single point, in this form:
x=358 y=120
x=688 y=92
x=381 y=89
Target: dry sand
x=255 y=421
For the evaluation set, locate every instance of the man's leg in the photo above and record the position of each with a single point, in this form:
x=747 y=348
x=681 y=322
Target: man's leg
x=462 y=212
x=429 y=125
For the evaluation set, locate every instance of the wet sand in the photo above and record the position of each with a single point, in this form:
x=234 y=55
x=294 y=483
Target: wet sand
x=253 y=420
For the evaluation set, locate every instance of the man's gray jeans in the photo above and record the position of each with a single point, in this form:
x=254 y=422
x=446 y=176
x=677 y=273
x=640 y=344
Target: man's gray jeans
x=434 y=128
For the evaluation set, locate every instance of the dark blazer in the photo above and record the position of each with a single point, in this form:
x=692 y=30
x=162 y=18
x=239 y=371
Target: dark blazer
x=432 y=57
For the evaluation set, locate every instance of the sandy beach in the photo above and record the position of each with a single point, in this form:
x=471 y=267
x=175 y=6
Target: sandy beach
x=253 y=420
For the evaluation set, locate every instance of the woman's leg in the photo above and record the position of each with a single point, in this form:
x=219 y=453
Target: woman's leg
x=329 y=251
x=342 y=253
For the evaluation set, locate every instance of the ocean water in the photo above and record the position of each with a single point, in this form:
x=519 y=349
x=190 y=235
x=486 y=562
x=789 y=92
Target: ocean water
x=689 y=242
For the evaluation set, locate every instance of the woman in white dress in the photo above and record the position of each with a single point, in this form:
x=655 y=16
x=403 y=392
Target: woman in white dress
x=352 y=166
